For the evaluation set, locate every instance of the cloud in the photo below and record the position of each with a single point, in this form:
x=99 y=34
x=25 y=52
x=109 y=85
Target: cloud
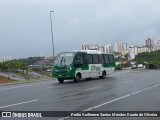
x=27 y=23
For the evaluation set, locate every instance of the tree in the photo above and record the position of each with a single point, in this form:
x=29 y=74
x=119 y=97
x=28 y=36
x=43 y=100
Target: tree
x=149 y=57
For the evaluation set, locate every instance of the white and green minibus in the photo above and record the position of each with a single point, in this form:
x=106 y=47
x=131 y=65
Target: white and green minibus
x=82 y=64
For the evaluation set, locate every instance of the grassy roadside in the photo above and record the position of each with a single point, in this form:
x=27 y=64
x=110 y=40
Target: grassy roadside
x=8 y=81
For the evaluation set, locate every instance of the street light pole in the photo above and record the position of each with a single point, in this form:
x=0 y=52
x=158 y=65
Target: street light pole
x=52 y=32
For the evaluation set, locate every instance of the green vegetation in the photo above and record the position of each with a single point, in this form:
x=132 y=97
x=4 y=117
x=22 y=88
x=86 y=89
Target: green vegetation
x=12 y=81
x=118 y=67
x=12 y=65
x=20 y=67
x=30 y=60
x=123 y=65
x=148 y=57
x=125 y=57
x=20 y=64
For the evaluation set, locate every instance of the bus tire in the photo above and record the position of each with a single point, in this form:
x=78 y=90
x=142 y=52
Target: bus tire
x=60 y=80
x=77 y=78
x=103 y=75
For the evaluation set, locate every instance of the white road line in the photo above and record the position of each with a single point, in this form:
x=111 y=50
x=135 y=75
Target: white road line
x=19 y=103
x=122 y=97
x=64 y=118
x=145 y=89
x=21 y=86
x=128 y=81
x=111 y=101
x=93 y=88
x=107 y=102
x=52 y=87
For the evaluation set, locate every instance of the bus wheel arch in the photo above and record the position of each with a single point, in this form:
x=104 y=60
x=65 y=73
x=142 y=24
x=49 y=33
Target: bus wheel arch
x=77 y=77
x=60 y=80
x=103 y=74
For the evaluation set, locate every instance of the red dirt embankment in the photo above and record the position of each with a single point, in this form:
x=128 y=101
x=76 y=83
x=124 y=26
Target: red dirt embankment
x=4 y=79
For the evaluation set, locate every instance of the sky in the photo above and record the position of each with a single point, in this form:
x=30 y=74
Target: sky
x=25 y=28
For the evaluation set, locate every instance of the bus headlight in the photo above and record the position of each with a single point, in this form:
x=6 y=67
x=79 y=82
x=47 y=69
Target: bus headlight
x=69 y=69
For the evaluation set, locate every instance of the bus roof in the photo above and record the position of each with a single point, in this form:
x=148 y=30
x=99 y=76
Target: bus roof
x=89 y=51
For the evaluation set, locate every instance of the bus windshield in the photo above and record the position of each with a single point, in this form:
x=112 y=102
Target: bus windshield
x=64 y=59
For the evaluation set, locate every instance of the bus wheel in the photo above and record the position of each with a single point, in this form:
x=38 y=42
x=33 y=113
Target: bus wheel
x=103 y=75
x=77 y=78
x=60 y=80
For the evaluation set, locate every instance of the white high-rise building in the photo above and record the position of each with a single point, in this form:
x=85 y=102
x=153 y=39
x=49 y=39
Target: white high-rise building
x=108 y=49
x=156 y=46
x=118 y=47
x=150 y=44
x=85 y=46
x=95 y=46
x=101 y=48
x=132 y=51
x=3 y=59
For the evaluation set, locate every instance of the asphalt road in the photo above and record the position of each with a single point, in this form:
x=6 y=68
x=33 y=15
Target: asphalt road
x=12 y=76
x=130 y=90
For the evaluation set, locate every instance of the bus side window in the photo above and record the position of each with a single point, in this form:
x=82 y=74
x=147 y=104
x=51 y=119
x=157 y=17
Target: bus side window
x=89 y=58
x=106 y=58
x=85 y=58
x=111 y=59
x=101 y=59
x=79 y=59
x=95 y=59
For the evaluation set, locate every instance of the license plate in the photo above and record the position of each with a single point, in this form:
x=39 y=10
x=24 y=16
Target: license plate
x=59 y=75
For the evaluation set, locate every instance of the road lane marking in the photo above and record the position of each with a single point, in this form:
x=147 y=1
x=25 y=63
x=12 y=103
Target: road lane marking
x=19 y=103
x=128 y=81
x=122 y=97
x=107 y=102
x=21 y=86
x=114 y=100
x=93 y=88
x=145 y=89
x=52 y=87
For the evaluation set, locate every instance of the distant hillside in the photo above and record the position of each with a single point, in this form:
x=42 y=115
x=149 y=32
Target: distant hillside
x=149 y=57
x=30 y=60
